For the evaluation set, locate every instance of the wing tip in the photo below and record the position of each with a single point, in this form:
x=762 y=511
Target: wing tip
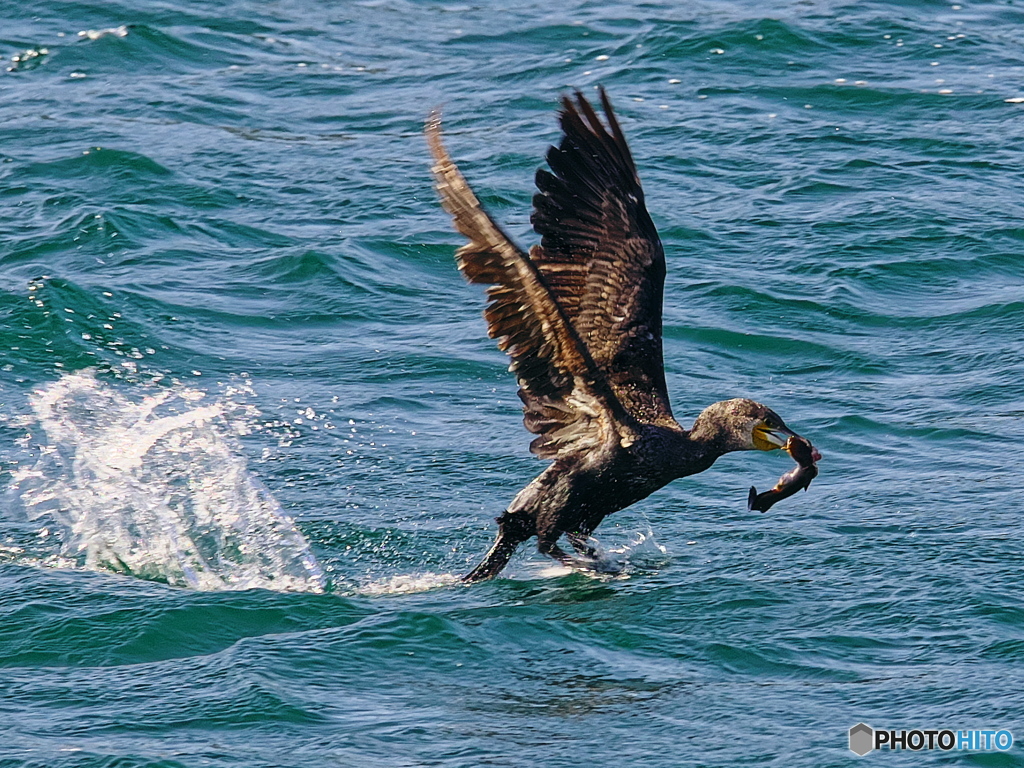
x=432 y=132
x=582 y=127
x=579 y=113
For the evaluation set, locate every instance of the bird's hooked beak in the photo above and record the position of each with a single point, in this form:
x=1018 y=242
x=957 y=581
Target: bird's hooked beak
x=771 y=438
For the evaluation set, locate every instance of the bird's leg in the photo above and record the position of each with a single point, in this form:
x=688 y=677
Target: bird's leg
x=580 y=538
x=580 y=541
x=550 y=548
x=593 y=558
x=513 y=530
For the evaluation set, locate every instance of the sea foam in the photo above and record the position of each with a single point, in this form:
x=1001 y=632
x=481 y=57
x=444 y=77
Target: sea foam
x=151 y=482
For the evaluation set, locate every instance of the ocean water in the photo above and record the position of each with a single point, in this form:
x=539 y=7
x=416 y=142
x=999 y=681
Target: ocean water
x=252 y=428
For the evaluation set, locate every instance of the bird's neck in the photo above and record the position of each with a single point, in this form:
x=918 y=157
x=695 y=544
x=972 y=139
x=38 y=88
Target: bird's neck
x=708 y=439
x=696 y=452
x=722 y=428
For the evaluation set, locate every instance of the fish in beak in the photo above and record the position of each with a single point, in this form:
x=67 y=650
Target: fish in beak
x=806 y=456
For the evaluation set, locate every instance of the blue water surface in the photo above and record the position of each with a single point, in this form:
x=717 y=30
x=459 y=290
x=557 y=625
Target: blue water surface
x=222 y=263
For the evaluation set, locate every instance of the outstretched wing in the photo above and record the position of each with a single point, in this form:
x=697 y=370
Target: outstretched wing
x=601 y=255
x=567 y=401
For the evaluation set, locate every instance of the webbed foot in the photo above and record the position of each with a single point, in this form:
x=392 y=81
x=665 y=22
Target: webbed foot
x=591 y=564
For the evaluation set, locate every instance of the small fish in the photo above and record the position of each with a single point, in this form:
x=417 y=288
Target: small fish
x=796 y=479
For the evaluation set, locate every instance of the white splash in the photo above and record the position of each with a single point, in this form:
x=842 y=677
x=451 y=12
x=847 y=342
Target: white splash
x=96 y=34
x=155 y=487
x=643 y=550
x=407 y=584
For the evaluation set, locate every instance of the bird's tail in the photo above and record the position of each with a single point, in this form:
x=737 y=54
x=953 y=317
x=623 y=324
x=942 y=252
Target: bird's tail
x=513 y=530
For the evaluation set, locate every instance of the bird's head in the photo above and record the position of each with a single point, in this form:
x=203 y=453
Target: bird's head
x=741 y=425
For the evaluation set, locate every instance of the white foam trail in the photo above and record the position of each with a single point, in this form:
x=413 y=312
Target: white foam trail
x=156 y=488
x=409 y=584
x=553 y=570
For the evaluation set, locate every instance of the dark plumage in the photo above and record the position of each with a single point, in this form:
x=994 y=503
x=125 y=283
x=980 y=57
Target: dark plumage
x=580 y=317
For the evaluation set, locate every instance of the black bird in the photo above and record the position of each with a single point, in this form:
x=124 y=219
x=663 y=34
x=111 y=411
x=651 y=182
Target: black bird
x=580 y=318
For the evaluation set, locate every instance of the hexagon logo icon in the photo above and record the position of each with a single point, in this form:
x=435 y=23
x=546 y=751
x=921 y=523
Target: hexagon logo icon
x=862 y=739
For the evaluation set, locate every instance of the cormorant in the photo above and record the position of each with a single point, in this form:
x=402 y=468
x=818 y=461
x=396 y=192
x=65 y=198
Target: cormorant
x=580 y=318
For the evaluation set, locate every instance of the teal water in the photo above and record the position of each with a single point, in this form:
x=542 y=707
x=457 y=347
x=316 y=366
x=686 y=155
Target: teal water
x=252 y=426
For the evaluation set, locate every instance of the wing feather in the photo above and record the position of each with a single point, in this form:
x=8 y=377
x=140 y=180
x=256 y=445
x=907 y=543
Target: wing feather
x=601 y=255
x=567 y=401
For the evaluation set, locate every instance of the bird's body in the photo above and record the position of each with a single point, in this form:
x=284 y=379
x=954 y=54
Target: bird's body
x=580 y=317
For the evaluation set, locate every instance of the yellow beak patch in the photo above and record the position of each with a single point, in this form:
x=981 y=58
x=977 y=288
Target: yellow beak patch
x=767 y=439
